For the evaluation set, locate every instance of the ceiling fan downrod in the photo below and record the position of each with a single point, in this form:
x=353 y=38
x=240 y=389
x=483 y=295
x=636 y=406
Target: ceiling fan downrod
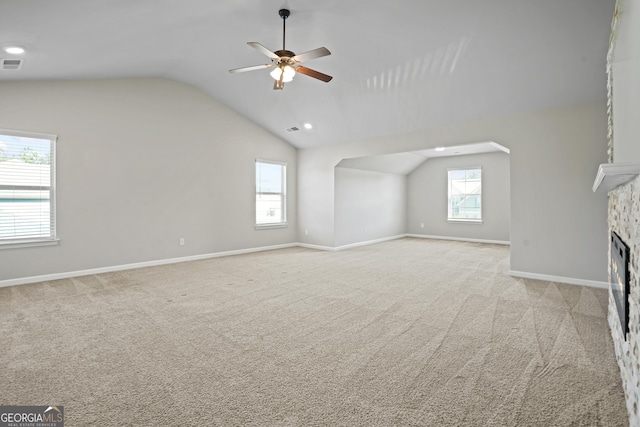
x=284 y=53
x=284 y=14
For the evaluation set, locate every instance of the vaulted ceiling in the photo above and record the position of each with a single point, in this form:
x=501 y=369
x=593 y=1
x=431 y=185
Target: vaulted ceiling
x=397 y=65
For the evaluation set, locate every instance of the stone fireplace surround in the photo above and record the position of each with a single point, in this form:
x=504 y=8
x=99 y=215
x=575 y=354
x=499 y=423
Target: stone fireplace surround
x=624 y=219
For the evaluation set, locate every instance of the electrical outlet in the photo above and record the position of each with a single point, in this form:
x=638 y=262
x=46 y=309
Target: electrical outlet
x=422 y=225
x=182 y=241
x=306 y=232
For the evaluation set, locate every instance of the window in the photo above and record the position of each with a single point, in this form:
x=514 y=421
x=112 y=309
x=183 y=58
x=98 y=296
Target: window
x=465 y=195
x=27 y=188
x=271 y=184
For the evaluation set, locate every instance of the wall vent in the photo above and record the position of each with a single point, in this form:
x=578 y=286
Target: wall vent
x=11 y=64
x=293 y=129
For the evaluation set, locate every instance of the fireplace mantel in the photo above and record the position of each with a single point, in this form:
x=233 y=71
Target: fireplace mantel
x=612 y=175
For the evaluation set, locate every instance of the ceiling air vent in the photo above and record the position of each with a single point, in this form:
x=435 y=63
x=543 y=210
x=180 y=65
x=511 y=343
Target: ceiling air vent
x=11 y=64
x=293 y=129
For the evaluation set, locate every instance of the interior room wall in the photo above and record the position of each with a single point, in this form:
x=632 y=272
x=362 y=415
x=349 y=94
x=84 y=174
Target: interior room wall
x=625 y=68
x=140 y=164
x=368 y=205
x=558 y=225
x=316 y=202
x=427 y=189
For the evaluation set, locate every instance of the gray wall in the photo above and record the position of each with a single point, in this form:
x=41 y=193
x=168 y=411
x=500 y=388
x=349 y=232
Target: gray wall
x=625 y=69
x=427 y=198
x=558 y=225
x=141 y=163
x=368 y=205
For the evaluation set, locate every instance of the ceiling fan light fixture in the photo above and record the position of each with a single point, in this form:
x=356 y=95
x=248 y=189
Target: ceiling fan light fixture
x=287 y=72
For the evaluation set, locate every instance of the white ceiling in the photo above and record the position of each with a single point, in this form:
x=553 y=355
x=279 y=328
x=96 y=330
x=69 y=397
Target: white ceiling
x=397 y=65
x=406 y=162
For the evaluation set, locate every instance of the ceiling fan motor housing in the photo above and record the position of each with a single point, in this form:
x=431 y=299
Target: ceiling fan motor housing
x=285 y=54
x=284 y=13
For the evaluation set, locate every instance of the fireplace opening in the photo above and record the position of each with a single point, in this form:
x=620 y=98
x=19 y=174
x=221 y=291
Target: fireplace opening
x=619 y=280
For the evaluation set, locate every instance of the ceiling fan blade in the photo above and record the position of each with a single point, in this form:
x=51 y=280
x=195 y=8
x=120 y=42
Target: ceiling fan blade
x=312 y=54
x=313 y=73
x=251 y=68
x=257 y=46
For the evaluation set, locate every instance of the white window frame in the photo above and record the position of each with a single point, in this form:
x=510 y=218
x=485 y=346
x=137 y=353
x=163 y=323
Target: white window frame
x=449 y=213
x=283 y=193
x=52 y=238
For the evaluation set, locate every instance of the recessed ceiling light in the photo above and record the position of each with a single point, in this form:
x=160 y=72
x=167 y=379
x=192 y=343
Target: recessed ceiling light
x=439 y=148
x=308 y=126
x=16 y=50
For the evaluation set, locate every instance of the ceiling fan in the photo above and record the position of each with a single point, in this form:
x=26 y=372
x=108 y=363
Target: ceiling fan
x=287 y=63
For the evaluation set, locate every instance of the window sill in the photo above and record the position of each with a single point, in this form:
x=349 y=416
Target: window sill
x=268 y=226
x=466 y=221
x=28 y=243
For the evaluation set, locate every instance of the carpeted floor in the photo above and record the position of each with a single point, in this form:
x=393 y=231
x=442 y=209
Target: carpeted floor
x=409 y=332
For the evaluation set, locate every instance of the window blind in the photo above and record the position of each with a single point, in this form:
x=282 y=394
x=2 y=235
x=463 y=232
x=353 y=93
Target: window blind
x=27 y=187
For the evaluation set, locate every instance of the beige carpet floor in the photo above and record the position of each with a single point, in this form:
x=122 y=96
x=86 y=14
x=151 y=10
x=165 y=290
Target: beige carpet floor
x=409 y=332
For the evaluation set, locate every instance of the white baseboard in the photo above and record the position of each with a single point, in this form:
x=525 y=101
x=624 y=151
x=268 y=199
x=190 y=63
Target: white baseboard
x=460 y=239
x=109 y=269
x=369 y=242
x=560 y=279
x=350 y=245
x=66 y=275
x=317 y=247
